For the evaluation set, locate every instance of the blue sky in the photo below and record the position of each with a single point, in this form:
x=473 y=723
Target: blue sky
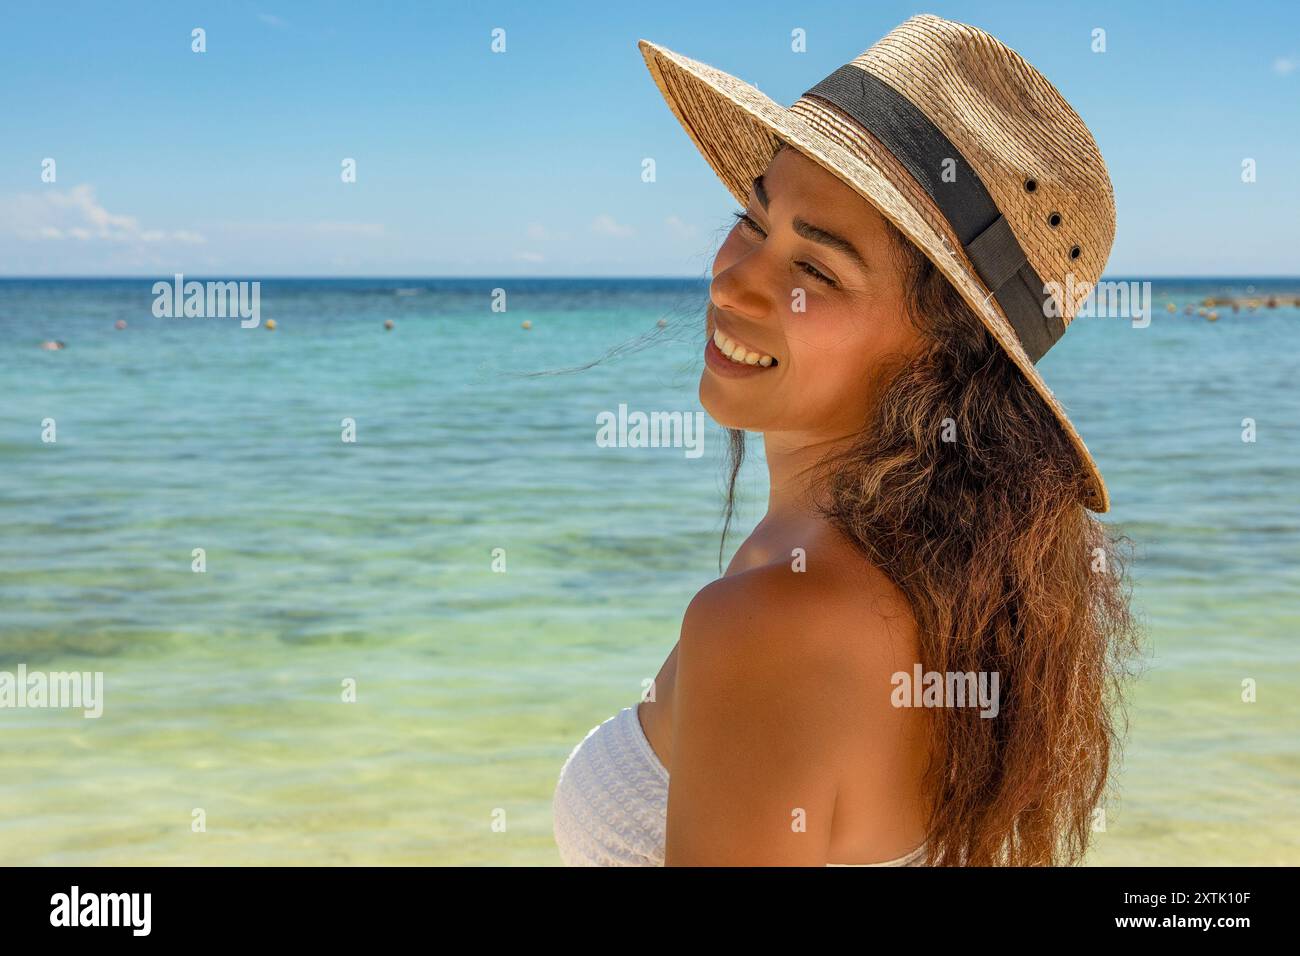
x=528 y=162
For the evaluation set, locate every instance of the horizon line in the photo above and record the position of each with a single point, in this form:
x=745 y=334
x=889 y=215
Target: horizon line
x=421 y=278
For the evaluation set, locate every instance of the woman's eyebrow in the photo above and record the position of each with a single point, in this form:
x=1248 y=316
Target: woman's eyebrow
x=815 y=233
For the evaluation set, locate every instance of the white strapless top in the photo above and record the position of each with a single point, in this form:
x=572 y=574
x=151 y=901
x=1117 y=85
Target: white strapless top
x=610 y=806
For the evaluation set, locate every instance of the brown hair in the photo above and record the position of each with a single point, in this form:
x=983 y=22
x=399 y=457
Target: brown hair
x=1005 y=571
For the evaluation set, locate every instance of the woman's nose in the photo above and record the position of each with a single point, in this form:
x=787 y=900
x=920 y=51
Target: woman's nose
x=744 y=288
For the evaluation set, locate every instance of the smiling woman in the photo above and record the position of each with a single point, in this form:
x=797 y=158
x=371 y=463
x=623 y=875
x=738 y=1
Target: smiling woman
x=877 y=321
x=841 y=324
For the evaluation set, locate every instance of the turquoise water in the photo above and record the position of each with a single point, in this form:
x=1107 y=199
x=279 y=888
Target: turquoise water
x=373 y=561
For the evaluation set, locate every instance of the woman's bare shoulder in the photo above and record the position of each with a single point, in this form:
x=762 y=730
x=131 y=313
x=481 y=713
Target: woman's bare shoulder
x=823 y=617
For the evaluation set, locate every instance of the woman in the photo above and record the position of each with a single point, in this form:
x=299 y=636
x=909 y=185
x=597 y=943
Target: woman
x=918 y=230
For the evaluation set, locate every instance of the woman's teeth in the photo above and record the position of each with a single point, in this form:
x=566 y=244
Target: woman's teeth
x=740 y=354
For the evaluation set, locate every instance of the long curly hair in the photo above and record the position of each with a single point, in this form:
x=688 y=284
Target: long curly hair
x=1005 y=571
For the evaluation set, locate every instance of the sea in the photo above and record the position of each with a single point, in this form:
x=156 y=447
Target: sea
x=356 y=591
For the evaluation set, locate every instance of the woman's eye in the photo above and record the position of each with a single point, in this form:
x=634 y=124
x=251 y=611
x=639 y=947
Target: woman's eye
x=747 y=222
x=813 y=271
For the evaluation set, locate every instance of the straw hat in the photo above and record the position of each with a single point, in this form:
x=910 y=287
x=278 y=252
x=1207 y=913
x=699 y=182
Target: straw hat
x=962 y=145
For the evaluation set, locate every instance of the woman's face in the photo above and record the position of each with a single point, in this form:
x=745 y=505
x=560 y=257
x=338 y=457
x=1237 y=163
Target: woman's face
x=821 y=322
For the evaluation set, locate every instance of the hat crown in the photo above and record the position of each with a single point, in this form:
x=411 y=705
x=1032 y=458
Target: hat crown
x=1031 y=150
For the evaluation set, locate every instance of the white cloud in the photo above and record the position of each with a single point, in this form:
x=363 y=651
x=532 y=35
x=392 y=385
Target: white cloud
x=54 y=215
x=604 y=225
x=305 y=230
x=270 y=19
x=1284 y=65
x=355 y=230
x=539 y=233
x=530 y=257
x=680 y=229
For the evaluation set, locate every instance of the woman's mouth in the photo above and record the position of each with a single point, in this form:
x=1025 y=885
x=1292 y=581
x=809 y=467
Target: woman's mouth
x=726 y=355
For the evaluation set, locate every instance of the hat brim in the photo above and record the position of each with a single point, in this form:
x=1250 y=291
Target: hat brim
x=736 y=128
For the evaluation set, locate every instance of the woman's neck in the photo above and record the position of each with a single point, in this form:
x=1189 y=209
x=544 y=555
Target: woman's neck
x=792 y=461
x=791 y=520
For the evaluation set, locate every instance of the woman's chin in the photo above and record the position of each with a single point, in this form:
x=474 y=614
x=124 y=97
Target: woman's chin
x=726 y=410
